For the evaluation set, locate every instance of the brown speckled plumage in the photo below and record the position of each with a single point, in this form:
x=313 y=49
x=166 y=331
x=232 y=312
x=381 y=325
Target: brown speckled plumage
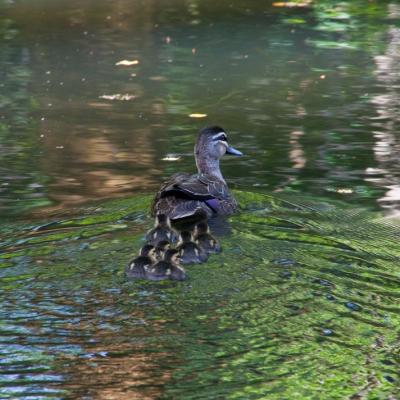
x=206 y=192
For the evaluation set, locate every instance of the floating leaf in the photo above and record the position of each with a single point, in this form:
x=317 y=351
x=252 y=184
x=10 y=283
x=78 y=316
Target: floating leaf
x=172 y=157
x=291 y=4
x=197 y=115
x=344 y=190
x=127 y=63
x=295 y=21
x=121 y=97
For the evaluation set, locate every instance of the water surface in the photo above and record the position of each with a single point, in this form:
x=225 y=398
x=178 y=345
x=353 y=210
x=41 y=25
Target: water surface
x=309 y=93
x=303 y=301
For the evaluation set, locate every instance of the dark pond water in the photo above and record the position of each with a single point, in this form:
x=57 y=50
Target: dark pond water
x=303 y=301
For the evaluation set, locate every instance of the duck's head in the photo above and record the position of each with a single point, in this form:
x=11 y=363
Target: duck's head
x=162 y=220
x=148 y=250
x=212 y=143
x=186 y=236
x=172 y=256
x=201 y=228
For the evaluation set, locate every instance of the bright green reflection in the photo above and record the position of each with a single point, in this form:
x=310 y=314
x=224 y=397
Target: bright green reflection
x=303 y=301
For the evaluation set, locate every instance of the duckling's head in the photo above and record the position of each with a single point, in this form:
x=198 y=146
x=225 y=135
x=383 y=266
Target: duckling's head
x=202 y=227
x=163 y=245
x=172 y=256
x=186 y=236
x=212 y=143
x=147 y=250
x=162 y=220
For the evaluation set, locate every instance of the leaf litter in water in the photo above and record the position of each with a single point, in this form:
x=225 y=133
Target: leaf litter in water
x=292 y=4
x=294 y=21
x=197 y=115
x=127 y=63
x=120 y=97
x=171 y=157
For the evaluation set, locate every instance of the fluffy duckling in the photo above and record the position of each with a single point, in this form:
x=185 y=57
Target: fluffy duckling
x=162 y=231
x=168 y=268
x=177 y=272
x=161 y=248
x=205 y=240
x=189 y=251
x=138 y=267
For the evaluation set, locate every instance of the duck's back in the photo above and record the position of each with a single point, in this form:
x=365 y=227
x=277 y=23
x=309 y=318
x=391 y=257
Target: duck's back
x=138 y=267
x=159 y=271
x=184 y=195
x=160 y=234
x=191 y=253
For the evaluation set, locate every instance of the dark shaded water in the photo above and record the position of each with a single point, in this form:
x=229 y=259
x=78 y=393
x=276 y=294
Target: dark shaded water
x=309 y=93
x=303 y=301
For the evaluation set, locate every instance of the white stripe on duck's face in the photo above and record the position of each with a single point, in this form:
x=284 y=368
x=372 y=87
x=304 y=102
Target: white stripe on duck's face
x=219 y=136
x=218 y=145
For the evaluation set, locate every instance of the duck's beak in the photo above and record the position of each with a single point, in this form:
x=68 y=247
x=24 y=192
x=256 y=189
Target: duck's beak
x=233 y=151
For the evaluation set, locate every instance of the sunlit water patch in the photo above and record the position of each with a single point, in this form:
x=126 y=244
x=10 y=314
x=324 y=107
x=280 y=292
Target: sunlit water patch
x=303 y=301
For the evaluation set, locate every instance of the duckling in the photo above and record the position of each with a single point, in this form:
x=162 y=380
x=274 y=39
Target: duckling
x=168 y=268
x=189 y=251
x=205 y=240
x=138 y=267
x=162 y=231
x=161 y=248
x=177 y=272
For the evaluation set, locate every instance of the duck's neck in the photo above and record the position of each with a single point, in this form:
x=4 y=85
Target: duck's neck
x=209 y=166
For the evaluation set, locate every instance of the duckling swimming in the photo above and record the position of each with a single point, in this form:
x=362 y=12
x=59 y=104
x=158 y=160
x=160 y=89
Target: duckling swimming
x=162 y=231
x=205 y=240
x=168 y=268
x=138 y=267
x=189 y=251
x=177 y=272
x=161 y=248
x=205 y=193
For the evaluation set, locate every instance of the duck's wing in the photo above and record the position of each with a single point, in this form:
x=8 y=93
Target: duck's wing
x=177 y=208
x=164 y=206
x=183 y=194
x=196 y=187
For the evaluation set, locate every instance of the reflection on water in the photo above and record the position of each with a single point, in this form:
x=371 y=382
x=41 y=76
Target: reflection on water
x=302 y=301
x=387 y=146
x=77 y=124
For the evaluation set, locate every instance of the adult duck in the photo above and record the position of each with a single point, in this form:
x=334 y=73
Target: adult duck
x=205 y=193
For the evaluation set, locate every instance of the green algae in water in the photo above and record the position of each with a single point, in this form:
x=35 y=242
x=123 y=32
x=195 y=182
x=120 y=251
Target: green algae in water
x=303 y=301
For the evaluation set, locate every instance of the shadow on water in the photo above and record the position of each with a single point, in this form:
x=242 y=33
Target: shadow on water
x=302 y=301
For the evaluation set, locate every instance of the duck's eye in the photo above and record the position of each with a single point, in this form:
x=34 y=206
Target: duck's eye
x=221 y=137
